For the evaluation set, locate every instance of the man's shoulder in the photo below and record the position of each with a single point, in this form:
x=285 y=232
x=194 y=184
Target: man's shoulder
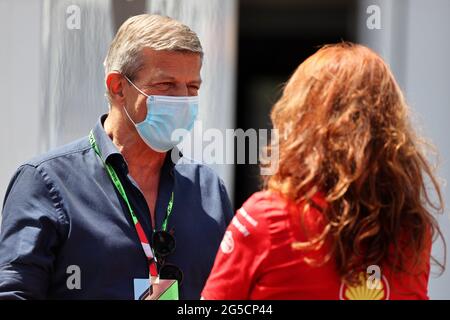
x=191 y=167
x=72 y=148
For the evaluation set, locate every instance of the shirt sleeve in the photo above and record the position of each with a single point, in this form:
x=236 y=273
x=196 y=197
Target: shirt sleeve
x=242 y=251
x=30 y=234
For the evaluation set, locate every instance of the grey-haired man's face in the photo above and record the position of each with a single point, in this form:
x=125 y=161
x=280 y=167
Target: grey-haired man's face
x=168 y=73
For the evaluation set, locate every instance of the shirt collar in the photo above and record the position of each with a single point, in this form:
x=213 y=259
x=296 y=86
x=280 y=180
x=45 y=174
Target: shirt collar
x=105 y=145
x=110 y=153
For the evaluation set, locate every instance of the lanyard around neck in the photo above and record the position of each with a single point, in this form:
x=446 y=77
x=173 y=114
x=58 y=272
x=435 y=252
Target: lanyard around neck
x=141 y=234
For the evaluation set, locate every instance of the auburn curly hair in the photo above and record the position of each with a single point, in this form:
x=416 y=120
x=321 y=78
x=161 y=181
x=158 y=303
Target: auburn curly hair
x=344 y=130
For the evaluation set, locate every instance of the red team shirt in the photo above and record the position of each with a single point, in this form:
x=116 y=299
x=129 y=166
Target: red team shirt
x=256 y=259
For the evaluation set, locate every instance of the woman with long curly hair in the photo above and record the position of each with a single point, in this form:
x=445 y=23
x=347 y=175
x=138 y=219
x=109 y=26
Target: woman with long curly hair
x=348 y=214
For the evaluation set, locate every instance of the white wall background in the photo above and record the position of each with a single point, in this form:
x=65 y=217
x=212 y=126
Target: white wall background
x=20 y=43
x=414 y=39
x=72 y=74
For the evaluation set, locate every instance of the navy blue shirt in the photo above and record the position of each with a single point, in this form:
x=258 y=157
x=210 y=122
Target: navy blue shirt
x=61 y=210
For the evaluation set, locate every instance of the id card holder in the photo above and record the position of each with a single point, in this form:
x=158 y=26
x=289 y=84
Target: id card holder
x=159 y=289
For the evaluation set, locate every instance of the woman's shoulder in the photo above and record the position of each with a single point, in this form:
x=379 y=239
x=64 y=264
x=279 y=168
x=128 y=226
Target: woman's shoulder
x=258 y=212
x=265 y=198
x=279 y=213
x=266 y=203
x=270 y=209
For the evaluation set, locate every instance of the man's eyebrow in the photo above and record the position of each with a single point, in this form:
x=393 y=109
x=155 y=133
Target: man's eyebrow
x=162 y=77
x=199 y=81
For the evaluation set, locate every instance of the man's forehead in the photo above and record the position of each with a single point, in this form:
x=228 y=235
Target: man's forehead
x=166 y=57
x=158 y=73
x=171 y=65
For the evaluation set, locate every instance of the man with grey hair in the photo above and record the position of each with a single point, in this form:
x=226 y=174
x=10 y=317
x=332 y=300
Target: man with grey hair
x=93 y=218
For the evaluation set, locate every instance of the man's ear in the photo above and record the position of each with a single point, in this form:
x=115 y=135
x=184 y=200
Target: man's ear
x=114 y=86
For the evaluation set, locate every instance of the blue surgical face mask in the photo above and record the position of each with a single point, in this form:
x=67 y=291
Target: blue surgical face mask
x=165 y=114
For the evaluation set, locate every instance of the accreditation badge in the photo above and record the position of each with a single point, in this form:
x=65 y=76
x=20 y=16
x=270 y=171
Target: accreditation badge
x=156 y=289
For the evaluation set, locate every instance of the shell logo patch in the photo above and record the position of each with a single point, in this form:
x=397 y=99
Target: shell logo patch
x=366 y=290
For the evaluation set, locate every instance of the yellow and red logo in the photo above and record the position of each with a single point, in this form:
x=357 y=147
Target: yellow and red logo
x=368 y=289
